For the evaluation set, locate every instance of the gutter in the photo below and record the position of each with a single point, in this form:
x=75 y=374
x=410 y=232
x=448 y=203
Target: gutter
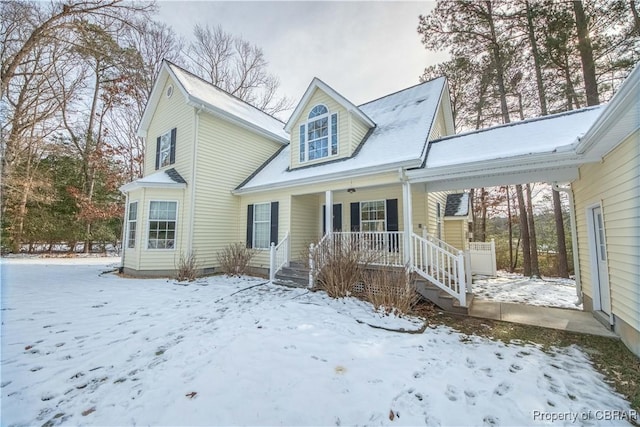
x=334 y=176
x=469 y=169
x=574 y=238
x=196 y=133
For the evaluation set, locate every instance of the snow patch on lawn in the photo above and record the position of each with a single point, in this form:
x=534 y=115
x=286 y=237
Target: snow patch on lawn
x=510 y=287
x=79 y=347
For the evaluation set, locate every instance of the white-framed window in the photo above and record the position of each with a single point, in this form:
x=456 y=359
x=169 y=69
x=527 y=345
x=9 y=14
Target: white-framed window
x=165 y=149
x=132 y=221
x=261 y=225
x=319 y=134
x=163 y=219
x=372 y=215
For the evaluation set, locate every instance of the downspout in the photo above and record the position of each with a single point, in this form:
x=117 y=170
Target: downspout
x=192 y=210
x=125 y=224
x=574 y=237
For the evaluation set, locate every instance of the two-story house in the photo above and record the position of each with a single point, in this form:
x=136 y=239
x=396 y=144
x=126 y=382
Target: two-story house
x=219 y=171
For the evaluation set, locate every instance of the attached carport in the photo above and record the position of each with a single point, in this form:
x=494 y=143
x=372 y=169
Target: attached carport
x=544 y=149
x=536 y=150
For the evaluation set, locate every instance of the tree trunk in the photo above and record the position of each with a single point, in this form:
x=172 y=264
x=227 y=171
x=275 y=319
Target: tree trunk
x=524 y=232
x=536 y=60
x=510 y=227
x=499 y=66
x=586 y=55
x=535 y=266
x=636 y=18
x=563 y=264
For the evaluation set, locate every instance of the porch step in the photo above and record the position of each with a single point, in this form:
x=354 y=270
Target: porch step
x=442 y=299
x=296 y=275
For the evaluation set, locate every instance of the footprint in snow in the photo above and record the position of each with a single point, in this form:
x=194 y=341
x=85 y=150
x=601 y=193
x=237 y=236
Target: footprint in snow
x=470 y=397
x=490 y=420
x=514 y=368
x=502 y=389
x=499 y=355
x=487 y=371
x=451 y=393
x=470 y=363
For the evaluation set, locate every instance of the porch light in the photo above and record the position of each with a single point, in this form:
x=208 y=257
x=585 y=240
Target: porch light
x=351 y=190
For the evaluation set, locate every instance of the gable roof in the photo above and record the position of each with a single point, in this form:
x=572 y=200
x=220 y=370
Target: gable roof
x=403 y=123
x=202 y=94
x=316 y=83
x=457 y=205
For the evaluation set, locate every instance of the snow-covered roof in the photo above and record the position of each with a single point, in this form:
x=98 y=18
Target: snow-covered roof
x=169 y=178
x=403 y=122
x=457 y=205
x=554 y=133
x=227 y=105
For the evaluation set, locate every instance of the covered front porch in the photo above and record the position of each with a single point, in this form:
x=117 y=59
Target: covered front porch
x=395 y=225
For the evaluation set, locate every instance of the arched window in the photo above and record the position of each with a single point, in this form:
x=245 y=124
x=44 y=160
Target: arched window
x=319 y=135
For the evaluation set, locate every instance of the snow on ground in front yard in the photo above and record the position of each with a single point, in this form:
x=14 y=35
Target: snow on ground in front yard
x=510 y=287
x=83 y=348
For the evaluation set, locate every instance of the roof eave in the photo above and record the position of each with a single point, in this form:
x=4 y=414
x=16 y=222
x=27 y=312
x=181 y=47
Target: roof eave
x=335 y=176
x=626 y=96
x=135 y=185
x=211 y=109
x=511 y=164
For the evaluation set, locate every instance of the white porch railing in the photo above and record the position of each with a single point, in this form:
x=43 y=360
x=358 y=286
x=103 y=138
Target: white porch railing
x=376 y=247
x=434 y=260
x=278 y=256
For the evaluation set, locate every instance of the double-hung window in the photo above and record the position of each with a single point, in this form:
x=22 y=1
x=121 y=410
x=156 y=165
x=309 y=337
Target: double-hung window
x=166 y=149
x=132 y=220
x=162 y=225
x=319 y=135
x=261 y=225
x=372 y=216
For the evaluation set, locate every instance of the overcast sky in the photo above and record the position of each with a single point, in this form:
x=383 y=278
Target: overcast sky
x=363 y=50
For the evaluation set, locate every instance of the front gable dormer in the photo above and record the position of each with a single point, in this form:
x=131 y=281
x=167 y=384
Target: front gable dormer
x=325 y=126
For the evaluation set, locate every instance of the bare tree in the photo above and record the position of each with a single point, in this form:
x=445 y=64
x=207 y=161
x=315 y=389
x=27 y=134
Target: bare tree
x=236 y=66
x=40 y=23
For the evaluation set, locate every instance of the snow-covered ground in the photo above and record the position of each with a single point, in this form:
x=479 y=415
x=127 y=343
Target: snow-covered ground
x=509 y=287
x=83 y=348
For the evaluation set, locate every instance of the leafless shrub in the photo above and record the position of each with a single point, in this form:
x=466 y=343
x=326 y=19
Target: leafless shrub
x=235 y=258
x=389 y=290
x=187 y=267
x=341 y=264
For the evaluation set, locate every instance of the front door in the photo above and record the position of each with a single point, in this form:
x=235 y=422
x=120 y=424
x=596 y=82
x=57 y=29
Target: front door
x=337 y=218
x=602 y=281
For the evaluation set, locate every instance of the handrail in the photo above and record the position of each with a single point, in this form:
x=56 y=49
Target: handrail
x=444 y=268
x=278 y=256
x=442 y=244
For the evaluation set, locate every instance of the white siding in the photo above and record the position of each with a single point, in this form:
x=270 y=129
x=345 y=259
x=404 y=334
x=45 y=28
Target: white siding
x=615 y=182
x=226 y=156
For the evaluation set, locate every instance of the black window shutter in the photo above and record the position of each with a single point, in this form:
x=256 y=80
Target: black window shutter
x=172 y=152
x=392 y=223
x=355 y=216
x=158 y=153
x=274 y=223
x=337 y=217
x=392 y=215
x=324 y=219
x=249 y=226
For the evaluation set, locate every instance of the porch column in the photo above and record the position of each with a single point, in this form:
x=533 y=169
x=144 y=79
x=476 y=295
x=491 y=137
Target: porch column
x=328 y=210
x=407 y=215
